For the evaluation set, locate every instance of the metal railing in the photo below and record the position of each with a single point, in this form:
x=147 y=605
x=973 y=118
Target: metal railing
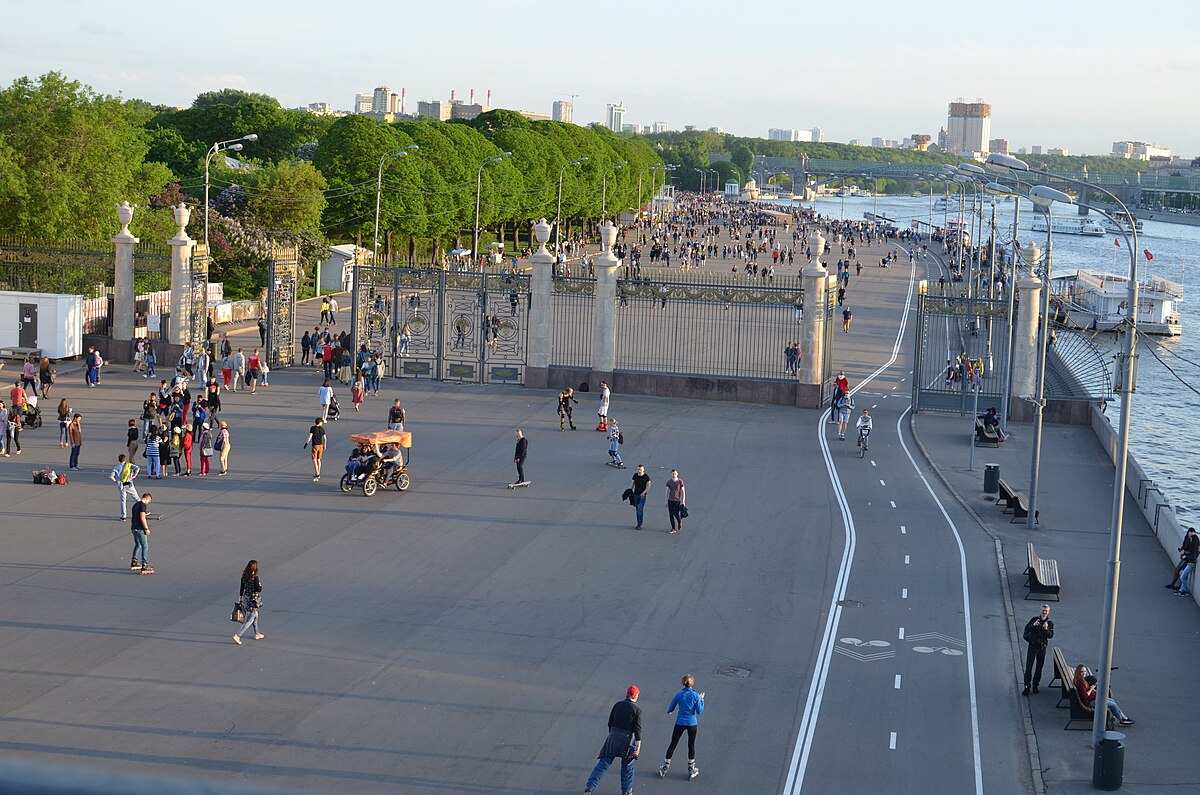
x=572 y=303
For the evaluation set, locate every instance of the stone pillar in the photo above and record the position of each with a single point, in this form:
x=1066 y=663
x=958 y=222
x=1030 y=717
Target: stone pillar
x=1024 y=377
x=812 y=325
x=604 y=332
x=124 y=296
x=537 y=368
x=181 y=279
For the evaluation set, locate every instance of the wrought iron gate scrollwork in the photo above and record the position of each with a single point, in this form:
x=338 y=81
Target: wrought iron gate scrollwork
x=281 y=306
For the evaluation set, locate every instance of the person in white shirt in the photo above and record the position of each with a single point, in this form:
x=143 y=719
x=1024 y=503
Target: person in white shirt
x=864 y=424
x=123 y=474
x=325 y=395
x=602 y=412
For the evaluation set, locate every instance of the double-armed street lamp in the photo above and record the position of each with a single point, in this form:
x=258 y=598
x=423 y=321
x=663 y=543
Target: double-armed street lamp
x=232 y=145
x=558 y=212
x=478 y=191
x=604 y=186
x=379 y=192
x=648 y=170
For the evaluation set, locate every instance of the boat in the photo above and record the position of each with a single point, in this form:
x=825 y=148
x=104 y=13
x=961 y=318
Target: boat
x=1120 y=225
x=1069 y=225
x=953 y=203
x=1098 y=301
x=916 y=194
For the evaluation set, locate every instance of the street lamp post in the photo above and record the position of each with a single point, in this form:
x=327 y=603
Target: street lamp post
x=558 y=212
x=646 y=170
x=604 y=186
x=478 y=191
x=232 y=145
x=379 y=193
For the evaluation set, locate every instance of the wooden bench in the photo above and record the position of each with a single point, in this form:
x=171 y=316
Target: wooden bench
x=1016 y=501
x=1063 y=673
x=985 y=435
x=17 y=352
x=1081 y=712
x=1041 y=576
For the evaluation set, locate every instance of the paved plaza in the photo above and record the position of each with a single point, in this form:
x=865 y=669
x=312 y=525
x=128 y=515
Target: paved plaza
x=845 y=615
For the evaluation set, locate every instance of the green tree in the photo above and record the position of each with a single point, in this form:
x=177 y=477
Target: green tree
x=286 y=197
x=742 y=157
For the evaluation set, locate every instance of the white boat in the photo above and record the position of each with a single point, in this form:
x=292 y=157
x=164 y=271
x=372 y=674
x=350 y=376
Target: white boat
x=1069 y=224
x=953 y=204
x=1098 y=301
x=1115 y=228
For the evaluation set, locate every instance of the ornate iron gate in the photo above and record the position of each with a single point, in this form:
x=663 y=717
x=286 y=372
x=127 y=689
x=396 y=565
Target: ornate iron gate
x=199 y=296
x=827 y=344
x=281 y=306
x=950 y=329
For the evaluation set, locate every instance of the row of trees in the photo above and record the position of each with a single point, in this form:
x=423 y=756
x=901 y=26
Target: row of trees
x=68 y=154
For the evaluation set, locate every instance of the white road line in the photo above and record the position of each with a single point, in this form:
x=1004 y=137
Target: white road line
x=895 y=388
x=903 y=593
x=906 y=560
x=873 y=463
x=966 y=596
x=901 y=633
x=874 y=405
x=903 y=530
x=897 y=681
x=881 y=483
x=892 y=742
x=816 y=688
x=893 y=502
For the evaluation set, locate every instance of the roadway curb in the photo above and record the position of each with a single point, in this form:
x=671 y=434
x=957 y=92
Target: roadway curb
x=1035 y=759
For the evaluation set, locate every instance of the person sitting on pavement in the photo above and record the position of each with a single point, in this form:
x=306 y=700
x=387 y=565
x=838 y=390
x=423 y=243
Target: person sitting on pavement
x=1085 y=685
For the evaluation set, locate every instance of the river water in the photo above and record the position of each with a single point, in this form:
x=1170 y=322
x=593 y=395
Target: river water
x=1165 y=404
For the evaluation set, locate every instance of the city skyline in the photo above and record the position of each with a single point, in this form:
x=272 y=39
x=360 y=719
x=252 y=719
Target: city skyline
x=947 y=56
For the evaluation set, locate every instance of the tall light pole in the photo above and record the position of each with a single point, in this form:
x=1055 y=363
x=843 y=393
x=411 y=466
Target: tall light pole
x=647 y=170
x=558 y=212
x=478 y=191
x=1126 y=371
x=604 y=186
x=232 y=145
x=379 y=192
x=700 y=171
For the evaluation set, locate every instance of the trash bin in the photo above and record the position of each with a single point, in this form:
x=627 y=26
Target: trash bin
x=991 y=478
x=1108 y=768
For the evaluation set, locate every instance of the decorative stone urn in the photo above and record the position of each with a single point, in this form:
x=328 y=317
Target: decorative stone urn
x=125 y=216
x=541 y=231
x=182 y=215
x=608 y=236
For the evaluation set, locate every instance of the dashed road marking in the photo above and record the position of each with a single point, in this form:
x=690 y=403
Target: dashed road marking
x=881 y=483
x=892 y=742
x=901 y=633
x=903 y=593
x=897 y=681
x=873 y=464
x=903 y=530
x=893 y=502
x=906 y=560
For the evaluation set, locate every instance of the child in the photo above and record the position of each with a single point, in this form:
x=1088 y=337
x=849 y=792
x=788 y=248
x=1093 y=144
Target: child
x=614 y=442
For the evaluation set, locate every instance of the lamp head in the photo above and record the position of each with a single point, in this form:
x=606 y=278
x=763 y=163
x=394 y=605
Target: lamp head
x=235 y=148
x=250 y=137
x=412 y=147
x=1046 y=195
x=970 y=168
x=1007 y=161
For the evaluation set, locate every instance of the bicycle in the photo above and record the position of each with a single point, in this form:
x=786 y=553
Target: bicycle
x=864 y=434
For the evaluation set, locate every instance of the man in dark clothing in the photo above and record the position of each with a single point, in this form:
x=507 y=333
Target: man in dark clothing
x=1038 y=633
x=641 y=487
x=624 y=742
x=565 y=399
x=519 y=456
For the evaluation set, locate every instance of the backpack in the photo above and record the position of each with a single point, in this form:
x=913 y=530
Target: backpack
x=620 y=438
x=219 y=445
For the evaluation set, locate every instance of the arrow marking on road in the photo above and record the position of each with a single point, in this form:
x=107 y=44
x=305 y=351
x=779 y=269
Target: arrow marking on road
x=935 y=636
x=883 y=655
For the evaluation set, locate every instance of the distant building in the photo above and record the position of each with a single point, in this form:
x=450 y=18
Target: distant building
x=381 y=100
x=968 y=127
x=998 y=146
x=533 y=115
x=563 y=111
x=362 y=103
x=645 y=129
x=942 y=139
x=1138 y=150
x=461 y=110
x=877 y=142
x=615 y=117
x=780 y=134
x=855 y=142
x=716 y=129
x=1035 y=150
x=660 y=127
x=918 y=141
x=320 y=109
x=818 y=135
x=1058 y=151
x=435 y=109
x=689 y=128
x=1022 y=151
x=628 y=128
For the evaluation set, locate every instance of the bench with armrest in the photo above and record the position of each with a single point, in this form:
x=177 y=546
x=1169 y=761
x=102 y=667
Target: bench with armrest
x=1016 y=501
x=1080 y=712
x=18 y=352
x=1041 y=576
x=1063 y=673
x=985 y=435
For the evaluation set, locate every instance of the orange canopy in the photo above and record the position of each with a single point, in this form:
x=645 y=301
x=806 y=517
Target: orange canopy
x=402 y=438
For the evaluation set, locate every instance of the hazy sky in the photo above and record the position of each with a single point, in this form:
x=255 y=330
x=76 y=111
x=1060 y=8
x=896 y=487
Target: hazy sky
x=1075 y=75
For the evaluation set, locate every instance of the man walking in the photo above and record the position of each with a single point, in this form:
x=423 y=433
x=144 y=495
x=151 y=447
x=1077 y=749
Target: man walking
x=396 y=416
x=565 y=399
x=641 y=490
x=519 y=455
x=316 y=435
x=676 y=501
x=141 y=535
x=75 y=438
x=239 y=369
x=123 y=474
x=333 y=308
x=624 y=742
x=847 y=318
x=1038 y=633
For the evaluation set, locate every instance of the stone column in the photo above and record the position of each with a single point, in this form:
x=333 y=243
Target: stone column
x=537 y=367
x=124 y=296
x=604 y=332
x=1025 y=334
x=181 y=279
x=812 y=325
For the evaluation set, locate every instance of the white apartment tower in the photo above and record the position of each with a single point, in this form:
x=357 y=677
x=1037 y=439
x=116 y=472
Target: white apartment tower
x=362 y=103
x=969 y=127
x=381 y=100
x=563 y=111
x=615 y=117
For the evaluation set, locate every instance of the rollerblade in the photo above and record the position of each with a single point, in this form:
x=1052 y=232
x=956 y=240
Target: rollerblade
x=662 y=770
x=693 y=771
x=603 y=426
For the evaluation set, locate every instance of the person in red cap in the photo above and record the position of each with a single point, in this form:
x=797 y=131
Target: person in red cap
x=624 y=742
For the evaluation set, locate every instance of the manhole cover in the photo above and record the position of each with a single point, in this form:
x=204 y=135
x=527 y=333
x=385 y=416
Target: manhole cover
x=732 y=671
x=849 y=603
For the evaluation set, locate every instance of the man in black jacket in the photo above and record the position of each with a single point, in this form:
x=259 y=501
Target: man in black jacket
x=624 y=742
x=519 y=455
x=1038 y=633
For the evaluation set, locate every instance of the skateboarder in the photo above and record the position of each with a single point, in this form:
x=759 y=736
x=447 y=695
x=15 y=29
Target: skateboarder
x=602 y=412
x=141 y=535
x=615 y=438
x=519 y=456
x=624 y=742
x=565 y=399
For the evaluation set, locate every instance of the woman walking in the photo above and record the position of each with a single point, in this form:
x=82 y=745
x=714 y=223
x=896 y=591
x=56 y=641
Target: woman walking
x=250 y=599
x=358 y=391
x=324 y=395
x=175 y=448
x=222 y=446
x=46 y=377
x=153 y=451
x=206 y=448
x=188 y=441
x=29 y=374
x=64 y=419
x=151 y=360
x=131 y=440
x=690 y=704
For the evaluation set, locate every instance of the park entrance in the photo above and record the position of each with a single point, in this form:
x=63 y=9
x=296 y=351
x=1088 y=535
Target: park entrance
x=949 y=330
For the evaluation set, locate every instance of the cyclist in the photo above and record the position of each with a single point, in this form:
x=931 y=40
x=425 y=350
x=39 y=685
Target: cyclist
x=864 y=425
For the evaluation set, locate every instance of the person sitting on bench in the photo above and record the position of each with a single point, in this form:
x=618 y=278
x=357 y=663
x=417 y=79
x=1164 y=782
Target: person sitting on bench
x=1085 y=684
x=991 y=421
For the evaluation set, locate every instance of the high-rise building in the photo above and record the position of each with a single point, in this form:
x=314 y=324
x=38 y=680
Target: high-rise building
x=615 y=117
x=855 y=142
x=1035 y=150
x=661 y=127
x=998 y=145
x=777 y=134
x=629 y=128
x=818 y=135
x=435 y=109
x=877 y=142
x=362 y=103
x=968 y=127
x=1058 y=150
x=381 y=100
x=1138 y=150
x=563 y=111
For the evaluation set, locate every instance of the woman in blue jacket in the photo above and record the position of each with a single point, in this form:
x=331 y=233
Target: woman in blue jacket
x=690 y=705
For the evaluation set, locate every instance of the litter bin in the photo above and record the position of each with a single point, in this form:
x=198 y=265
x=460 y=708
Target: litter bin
x=991 y=478
x=1108 y=768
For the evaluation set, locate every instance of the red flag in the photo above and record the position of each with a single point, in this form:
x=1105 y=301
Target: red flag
x=1117 y=242
x=1149 y=256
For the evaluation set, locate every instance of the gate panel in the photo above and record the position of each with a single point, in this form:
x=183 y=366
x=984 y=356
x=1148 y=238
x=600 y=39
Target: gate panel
x=281 y=306
x=949 y=330
x=464 y=303
x=506 y=334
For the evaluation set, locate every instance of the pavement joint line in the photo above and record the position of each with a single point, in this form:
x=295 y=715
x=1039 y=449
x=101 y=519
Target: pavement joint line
x=1035 y=759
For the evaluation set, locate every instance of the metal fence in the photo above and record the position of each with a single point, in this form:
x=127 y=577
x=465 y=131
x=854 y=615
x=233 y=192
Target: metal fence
x=572 y=305
x=951 y=329
x=714 y=328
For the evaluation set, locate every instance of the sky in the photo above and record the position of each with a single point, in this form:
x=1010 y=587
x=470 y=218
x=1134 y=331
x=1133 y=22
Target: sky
x=1056 y=73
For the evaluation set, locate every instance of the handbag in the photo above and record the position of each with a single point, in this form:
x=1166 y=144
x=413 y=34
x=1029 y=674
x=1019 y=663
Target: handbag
x=238 y=615
x=683 y=511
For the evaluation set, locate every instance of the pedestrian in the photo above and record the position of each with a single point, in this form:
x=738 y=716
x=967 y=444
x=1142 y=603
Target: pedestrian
x=316 y=436
x=29 y=374
x=226 y=370
x=396 y=417
x=333 y=308
x=140 y=528
x=602 y=411
x=75 y=439
x=1038 y=632
x=1189 y=550
x=151 y=360
x=123 y=474
x=188 y=441
x=324 y=396
x=222 y=446
x=250 y=600
x=175 y=448
x=254 y=373
x=847 y=318
x=615 y=438
x=358 y=391
x=92 y=363
x=641 y=491
x=262 y=331
x=519 y=455
x=565 y=399
x=206 y=448
x=324 y=309
x=676 y=501
x=844 y=404
x=238 y=360
x=64 y=420
x=690 y=705
x=305 y=348
x=624 y=742
x=154 y=453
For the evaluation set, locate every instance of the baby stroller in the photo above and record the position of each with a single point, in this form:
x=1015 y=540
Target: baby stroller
x=32 y=417
x=334 y=411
